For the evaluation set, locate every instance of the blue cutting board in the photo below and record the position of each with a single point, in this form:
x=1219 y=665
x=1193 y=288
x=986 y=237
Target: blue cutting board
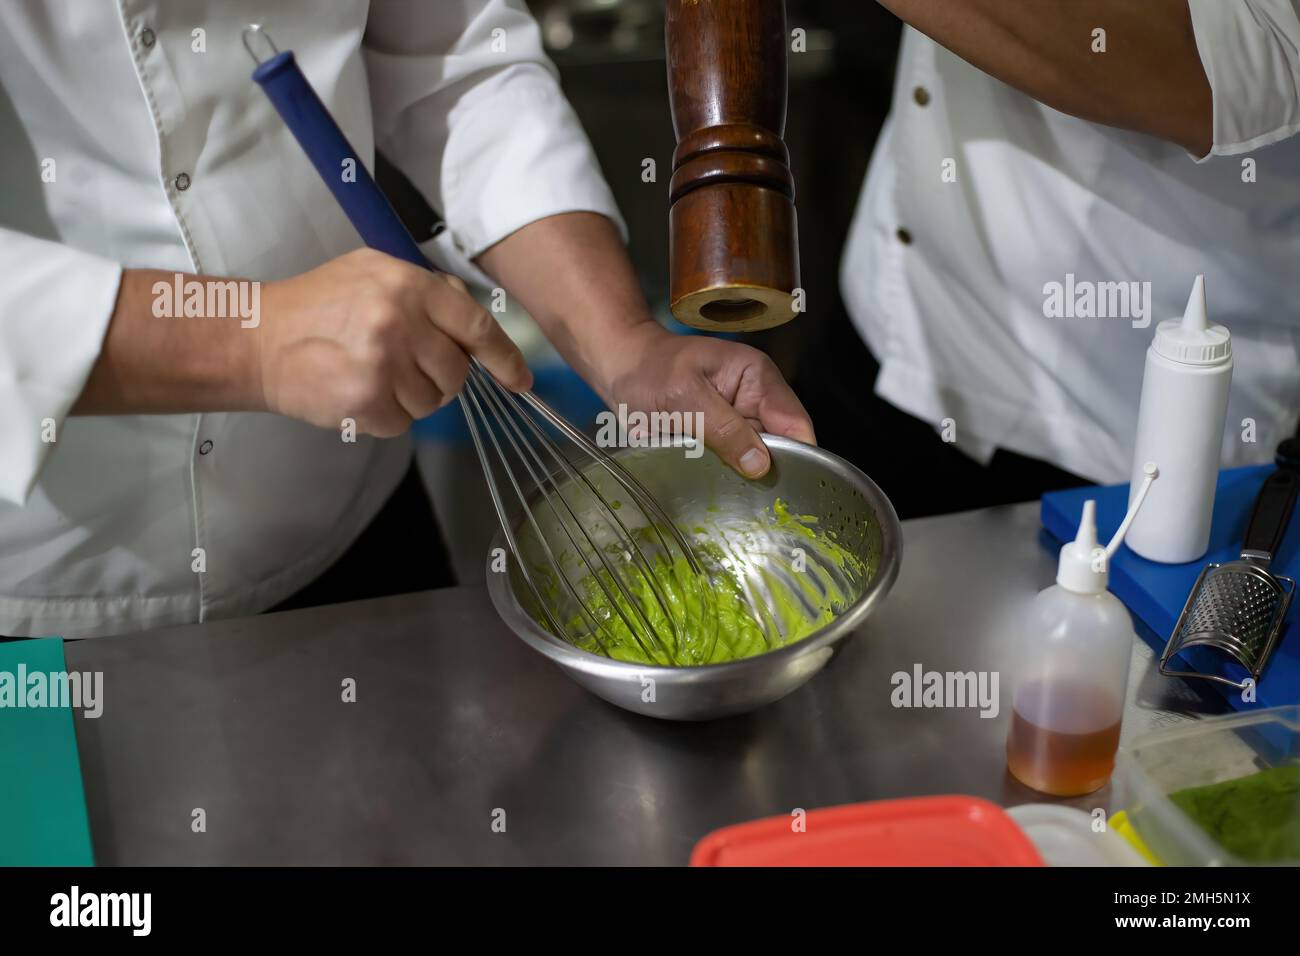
x=1156 y=593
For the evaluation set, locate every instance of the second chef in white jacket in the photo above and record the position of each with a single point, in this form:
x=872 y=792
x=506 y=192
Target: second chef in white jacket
x=1039 y=146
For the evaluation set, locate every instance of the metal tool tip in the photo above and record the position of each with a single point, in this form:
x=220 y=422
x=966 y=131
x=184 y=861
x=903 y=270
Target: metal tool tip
x=255 y=38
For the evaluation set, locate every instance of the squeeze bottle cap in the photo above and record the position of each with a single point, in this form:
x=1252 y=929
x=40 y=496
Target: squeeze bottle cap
x=1192 y=340
x=1084 y=565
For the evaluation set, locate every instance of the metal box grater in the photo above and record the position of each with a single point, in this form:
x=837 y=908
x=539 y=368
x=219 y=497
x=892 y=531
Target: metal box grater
x=1239 y=607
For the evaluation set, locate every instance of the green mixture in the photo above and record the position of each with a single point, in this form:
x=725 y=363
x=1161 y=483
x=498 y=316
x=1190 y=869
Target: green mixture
x=1256 y=817
x=711 y=619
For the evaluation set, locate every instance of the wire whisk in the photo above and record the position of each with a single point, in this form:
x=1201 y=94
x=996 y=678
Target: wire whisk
x=592 y=536
x=580 y=529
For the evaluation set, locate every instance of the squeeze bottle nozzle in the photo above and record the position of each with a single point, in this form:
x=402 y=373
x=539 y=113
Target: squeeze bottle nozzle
x=1085 y=566
x=1195 y=316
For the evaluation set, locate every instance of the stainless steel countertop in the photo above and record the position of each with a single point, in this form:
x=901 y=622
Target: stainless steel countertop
x=456 y=719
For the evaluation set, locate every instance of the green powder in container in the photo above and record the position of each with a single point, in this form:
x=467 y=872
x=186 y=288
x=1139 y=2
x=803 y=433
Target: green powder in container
x=1257 y=818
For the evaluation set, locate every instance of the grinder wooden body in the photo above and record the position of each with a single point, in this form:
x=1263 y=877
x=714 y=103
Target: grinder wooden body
x=733 y=238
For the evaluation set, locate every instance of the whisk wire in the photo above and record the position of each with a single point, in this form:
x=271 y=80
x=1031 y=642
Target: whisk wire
x=487 y=404
x=657 y=519
x=503 y=516
x=469 y=404
x=541 y=476
x=645 y=501
x=627 y=541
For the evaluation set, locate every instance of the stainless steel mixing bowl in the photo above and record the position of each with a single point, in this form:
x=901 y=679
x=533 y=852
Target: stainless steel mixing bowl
x=703 y=490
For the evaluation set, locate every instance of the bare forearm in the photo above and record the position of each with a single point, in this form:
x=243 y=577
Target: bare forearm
x=161 y=364
x=573 y=276
x=364 y=337
x=1150 y=79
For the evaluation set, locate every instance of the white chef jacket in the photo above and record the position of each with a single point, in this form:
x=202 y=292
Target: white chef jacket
x=956 y=315
x=165 y=154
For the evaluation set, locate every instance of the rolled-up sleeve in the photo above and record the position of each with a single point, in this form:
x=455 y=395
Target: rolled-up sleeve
x=468 y=106
x=55 y=306
x=1251 y=53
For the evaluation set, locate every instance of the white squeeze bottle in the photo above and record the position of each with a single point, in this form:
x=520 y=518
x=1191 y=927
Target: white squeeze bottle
x=1072 y=678
x=1180 y=424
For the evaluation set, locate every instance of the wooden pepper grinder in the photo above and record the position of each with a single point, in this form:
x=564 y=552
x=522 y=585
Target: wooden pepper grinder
x=732 y=236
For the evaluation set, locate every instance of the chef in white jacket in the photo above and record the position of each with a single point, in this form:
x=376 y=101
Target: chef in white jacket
x=1038 y=147
x=159 y=466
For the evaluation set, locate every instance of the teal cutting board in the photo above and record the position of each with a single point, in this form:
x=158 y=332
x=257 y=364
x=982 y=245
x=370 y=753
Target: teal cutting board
x=42 y=804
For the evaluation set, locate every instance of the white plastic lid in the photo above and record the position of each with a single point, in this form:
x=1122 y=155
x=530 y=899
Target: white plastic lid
x=1065 y=836
x=1191 y=340
x=1084 y=566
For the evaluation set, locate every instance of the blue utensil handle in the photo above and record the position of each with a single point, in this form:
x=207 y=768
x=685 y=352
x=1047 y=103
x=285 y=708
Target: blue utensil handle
x=359 y=195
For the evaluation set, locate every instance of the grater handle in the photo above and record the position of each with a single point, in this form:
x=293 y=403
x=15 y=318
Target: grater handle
x=1269 y=517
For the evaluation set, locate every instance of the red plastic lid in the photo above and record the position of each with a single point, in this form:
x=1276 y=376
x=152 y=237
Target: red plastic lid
x=919 y=831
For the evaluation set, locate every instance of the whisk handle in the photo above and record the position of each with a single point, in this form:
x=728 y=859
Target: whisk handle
x=353 y=187
x=1271 y=514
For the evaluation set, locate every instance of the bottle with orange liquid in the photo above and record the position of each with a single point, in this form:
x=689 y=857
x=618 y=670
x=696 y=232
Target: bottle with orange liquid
x=1069 y=696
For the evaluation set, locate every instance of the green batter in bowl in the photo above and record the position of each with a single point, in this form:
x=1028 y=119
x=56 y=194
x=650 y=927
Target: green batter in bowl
x=794 y=562
x=788 y=579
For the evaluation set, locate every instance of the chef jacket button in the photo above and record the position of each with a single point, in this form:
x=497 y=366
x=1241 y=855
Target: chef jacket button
x=904 y=237
x=206 y=446
x=182 y=182
x=147 y=38
x=921 y=95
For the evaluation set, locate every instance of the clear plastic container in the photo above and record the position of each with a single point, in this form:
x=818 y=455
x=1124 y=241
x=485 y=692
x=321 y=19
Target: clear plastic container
x=1203 y=753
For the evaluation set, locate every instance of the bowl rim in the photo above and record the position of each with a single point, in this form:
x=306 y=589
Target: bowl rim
x=522 y=624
